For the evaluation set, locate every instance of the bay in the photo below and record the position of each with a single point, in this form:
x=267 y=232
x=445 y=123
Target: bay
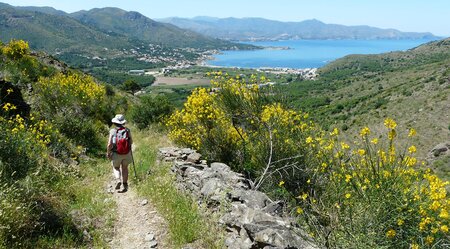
x=306 y=53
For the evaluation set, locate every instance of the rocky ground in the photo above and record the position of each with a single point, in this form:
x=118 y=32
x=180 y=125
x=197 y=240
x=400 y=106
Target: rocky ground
x=138 y=224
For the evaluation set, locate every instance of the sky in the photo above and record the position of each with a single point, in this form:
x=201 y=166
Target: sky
x=404 y=15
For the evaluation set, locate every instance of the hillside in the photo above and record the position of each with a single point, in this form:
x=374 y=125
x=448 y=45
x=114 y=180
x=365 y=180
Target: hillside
x=55 y=33
x=138 y=26
x=413 y=87
x=264 y=29
x=106 y=41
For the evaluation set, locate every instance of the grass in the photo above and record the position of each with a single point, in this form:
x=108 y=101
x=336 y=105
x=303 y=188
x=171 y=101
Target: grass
x=186 y=223
x=91 y=208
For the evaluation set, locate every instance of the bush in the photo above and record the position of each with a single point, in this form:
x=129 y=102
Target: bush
x=151 y=109
x=375 y=195
x=241 y=125
x=82 y=131
x=22 y=146
x=72 y=91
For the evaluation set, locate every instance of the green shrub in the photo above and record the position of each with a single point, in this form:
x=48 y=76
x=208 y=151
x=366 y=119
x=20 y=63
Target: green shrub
x=22 y=146
x=375 y=195
x=82 y=131
x=151 y=109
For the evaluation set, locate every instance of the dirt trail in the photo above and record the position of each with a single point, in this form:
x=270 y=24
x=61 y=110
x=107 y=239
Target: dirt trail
x=138 y=225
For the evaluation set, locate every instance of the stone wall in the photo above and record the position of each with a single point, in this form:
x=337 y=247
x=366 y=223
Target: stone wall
x=251 y=219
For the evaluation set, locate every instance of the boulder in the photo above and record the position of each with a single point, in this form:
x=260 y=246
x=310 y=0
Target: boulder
x=251 y=198
x=440 y=149
x=194 y=157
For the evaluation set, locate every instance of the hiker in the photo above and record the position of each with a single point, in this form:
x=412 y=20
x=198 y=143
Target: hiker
x=119 y=151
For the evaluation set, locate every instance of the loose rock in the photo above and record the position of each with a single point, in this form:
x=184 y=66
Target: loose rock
x=252 y=219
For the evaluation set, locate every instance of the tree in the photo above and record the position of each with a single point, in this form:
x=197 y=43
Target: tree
x=131 y=85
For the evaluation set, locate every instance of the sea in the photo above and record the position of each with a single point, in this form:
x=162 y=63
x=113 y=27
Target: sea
x=306 y=53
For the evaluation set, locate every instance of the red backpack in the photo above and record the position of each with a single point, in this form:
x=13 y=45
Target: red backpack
x=122 y=144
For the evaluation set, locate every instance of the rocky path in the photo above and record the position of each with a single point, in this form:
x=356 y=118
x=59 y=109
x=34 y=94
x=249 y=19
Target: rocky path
x=138 y=224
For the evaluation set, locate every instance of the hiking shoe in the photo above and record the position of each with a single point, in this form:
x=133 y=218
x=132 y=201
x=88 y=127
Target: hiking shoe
x=118 y=185
x=125 y=186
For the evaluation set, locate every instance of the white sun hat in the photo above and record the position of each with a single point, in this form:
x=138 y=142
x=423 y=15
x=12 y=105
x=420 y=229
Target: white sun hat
x=119 y=119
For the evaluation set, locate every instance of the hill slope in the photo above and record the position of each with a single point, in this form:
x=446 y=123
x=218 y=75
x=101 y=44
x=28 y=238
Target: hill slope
x=54 y=32
x=138 y=26
x=106 y=38
x=263 y=29
x=413 y=87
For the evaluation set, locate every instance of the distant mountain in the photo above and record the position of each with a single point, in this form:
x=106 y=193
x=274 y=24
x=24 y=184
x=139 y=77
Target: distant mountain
x=53 y=30
x=138 y=26
x=46 y=10
x=263 y=29
x=53 y=33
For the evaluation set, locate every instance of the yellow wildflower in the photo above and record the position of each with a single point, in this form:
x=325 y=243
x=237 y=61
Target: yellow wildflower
x=344 y=146
x=400 y=222
x=335 y=132
x=444 y=228
x=281 y=183
x=299 y=210
x=391 y=233
x=348 y=195
x=392 y=134
x=412 y=132
x=348 y=178
x=429 y=240
x=304 y=196
x=390 y=123
x=365 y=132
x=412 y=149
x=374 y=141
x=309 y=140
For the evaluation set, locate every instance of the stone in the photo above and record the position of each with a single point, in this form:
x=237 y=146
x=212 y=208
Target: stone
x=194 y=157
x=149 y=237
x=220 y=167
x=144 y=202
x=282 y=238
x=86 y=235
x=274 y=208
x=250 y=218
x=153 y=244
x=211 y=187
x=187 y=151
x=440 y=149
x=251 y=198
x=234 y=241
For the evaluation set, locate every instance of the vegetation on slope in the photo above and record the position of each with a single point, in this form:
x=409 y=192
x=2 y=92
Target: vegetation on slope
x=51 y=175
x=53 y=118
x=413 y=87
x=373 y=191
x=135 y=25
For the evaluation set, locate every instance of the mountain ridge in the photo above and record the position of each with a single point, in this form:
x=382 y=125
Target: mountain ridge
x=256 y=28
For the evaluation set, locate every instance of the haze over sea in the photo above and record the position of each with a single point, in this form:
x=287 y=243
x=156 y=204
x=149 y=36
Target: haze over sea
x=307 y=53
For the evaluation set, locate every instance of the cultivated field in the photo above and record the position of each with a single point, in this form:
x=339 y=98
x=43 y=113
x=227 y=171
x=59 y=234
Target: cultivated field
x=173 y=81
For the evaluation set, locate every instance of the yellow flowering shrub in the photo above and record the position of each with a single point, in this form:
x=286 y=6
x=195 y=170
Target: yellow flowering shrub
x=22 y=145
x=16 y=49
x=72 y=90
x=377 y=191
x=238 y=122
x=201 y=124
x=371 y=191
